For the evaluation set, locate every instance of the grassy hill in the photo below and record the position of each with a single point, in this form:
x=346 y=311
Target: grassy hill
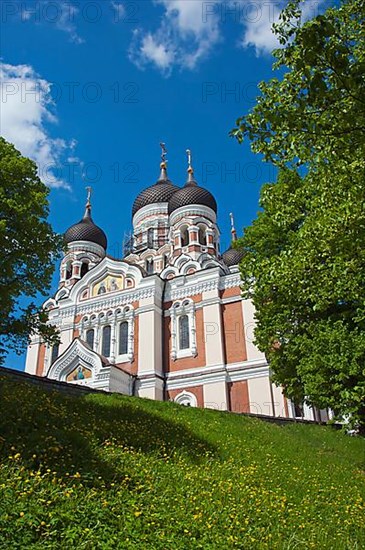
x=101 y=471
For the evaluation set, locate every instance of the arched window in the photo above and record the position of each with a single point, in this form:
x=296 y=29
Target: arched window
x=165 y=260
x=149 y=266
x=84 y=269
x=105 y=348
x=150 y=237
x=68 y=271
x=298 y=410
x=123 y=338
x=202 y=235
x=90 y=338
x=55 y=352
x=184 y=236
x=184 y=336
x=187 y=399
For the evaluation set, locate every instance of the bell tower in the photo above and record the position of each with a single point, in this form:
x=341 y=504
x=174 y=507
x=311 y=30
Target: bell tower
x=86 y=247
x=193 y=219
x=150 y=247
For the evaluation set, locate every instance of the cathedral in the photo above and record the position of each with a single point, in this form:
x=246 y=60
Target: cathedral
x=167 y=321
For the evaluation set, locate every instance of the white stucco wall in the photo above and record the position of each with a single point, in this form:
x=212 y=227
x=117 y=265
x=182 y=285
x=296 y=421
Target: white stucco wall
x=278 y=401
x=31 y=360
x=149 y=338
x=213 y=334
x=259 y=395
x=215 y=395
x=120 y=381
x=249 y=325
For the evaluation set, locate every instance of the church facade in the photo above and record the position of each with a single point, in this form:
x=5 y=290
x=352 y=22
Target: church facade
x=167 y=321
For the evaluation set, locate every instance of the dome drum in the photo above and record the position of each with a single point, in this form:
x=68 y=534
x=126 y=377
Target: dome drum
x=194 y=211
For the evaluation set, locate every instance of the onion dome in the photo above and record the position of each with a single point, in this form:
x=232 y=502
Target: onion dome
x=86 y=230
x=232 y=256
x=161 y=191
x=191 y=194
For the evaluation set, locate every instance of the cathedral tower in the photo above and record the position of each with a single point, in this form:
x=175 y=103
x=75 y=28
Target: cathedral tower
x=86 y=247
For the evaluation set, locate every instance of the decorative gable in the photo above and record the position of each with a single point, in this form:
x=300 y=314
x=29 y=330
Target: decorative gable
x=80 y=365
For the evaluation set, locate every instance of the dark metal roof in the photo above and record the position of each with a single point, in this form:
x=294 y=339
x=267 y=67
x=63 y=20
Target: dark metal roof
x=86 y=230
x=232 y=256
x=192 y=194
x=162 y=191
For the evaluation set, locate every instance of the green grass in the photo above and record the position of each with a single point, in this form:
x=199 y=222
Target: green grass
x=101 y=471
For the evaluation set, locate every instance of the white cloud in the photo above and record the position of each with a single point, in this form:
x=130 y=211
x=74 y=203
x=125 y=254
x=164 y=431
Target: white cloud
x=186 y=35
x=258 y=23
x=66 y=21
x=189 y=30
x=162 y=54
x=119 y=10
x=258 y=17
x=61 y=14
x=26 y=107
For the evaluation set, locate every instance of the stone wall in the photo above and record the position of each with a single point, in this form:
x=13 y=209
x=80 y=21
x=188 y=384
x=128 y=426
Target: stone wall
x=46 y=383
x=77 y=391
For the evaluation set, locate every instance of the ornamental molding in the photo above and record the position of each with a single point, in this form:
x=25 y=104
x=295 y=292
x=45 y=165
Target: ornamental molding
x=85 y=247
x=104 y=303
x=181 y=287
x=191 y=290
x=77 y=353
x=107 y=266
x=186 y=398
x=192 y=211
x=219 y=373
x=230 y=281
x=150 y=210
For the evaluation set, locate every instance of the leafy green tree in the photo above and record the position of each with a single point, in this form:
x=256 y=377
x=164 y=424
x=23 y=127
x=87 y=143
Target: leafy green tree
x=28 y=247
x=305 y=251
x=316 y=112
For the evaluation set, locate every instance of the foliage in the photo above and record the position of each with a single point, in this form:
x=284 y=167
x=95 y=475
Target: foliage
x=305 y=253
x=316 y=112
x=106 y=471
x=305 y=250
x=28 y=246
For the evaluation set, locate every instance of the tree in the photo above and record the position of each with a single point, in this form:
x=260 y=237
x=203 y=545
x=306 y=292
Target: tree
x=317 y=111
x=305 y=250
x=28 y=247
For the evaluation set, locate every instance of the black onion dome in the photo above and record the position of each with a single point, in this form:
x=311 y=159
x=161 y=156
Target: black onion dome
x=192 y=193
x=232 y=256
x=86 y=230
x=161 y=191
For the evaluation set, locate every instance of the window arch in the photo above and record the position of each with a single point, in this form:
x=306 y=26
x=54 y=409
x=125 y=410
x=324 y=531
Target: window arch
x=202 y=235
x=184 y=334
x=150 y=237
x=184 y=236
x=187 y=399
x=84 y=269
x=149 y=266
x=55 y=352
x=68 y=270
x=90 y=336
x=123 y=338
x=298 y=410
x=105 y=347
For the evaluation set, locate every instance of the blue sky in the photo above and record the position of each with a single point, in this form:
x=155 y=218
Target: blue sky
x=90 y=88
